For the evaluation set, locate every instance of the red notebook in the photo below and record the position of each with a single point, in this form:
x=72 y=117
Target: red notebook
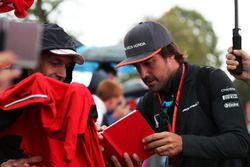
x=126 y=135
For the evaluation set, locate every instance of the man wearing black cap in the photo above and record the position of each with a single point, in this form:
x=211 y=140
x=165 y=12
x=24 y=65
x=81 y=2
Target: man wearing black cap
x=58 y=57
x=58 y=54
x=194 y=127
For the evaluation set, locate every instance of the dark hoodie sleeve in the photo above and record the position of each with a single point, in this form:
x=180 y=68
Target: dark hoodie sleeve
x=228 y=116
x=9 y=145
x=9 y=148
x=7 y=118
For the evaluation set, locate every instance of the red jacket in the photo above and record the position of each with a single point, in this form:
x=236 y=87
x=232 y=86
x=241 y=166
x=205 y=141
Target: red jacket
x=55 y=122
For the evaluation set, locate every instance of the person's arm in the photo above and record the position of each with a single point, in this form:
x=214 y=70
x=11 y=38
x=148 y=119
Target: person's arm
x=23 y=162
x=232 y=64
x=228 y=116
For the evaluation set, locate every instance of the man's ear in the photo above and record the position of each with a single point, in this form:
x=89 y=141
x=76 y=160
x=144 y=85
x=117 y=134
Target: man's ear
x=171 y=56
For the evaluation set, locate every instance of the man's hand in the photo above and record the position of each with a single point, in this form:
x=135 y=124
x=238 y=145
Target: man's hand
x=100 y=129
x=232 y=64
x=7 y=74
x=134 y=162
x=164 y=143
x=24 y=162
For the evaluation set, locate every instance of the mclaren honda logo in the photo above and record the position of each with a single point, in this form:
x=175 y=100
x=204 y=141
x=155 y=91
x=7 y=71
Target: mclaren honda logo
x=135 y=45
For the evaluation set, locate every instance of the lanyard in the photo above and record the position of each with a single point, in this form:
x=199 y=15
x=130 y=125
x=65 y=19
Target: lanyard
x=173 y=127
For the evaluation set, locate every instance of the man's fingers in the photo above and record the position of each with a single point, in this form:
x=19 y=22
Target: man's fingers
x=232 y=62
x=230 y=56
x=100 y=128
x=229 y=50
x=103 y=127
x=34 y=159
x=19 y=162
x=156 y=144
x=7 y=58
x=240 y=53
x=27 y=162
x=128 y=160
x=232 y=53
x=8 y=163
x=137 y=160
x=115 y=161
x=155 y=136
x=102 y=148
x=100 y=137
x=9 y=74
x=6 y=76
x=108 y=164
x=26 y=165
x=231 y=67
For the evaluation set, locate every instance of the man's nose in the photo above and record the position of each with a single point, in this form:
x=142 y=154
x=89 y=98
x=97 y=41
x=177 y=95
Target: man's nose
x=143 y=72
x=61 y=72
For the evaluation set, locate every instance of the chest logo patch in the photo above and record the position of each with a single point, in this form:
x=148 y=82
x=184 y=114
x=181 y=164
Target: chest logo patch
x=192 y=106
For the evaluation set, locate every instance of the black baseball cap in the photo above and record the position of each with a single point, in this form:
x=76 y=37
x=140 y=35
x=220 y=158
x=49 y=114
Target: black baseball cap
x=57 y=41
x=144 y=41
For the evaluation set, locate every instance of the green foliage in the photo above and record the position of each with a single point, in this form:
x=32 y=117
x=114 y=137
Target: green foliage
x=193 y=34
x=41 y=9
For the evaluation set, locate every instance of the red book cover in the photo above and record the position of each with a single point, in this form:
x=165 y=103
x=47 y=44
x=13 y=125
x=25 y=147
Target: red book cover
x=126 y=135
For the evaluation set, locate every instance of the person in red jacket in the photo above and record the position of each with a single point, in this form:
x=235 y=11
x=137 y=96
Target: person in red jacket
x=58 y=57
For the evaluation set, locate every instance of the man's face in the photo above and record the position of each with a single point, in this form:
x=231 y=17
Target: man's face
x=54 y=66
x=156 y=72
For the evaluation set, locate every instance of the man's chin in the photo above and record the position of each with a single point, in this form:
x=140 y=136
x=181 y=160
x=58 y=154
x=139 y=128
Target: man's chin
x=57 y=78
x=154 y=88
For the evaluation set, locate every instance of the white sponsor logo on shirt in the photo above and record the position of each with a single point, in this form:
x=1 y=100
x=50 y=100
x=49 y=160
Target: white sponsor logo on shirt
x=230 y=96
x=227 y=89
x=192 y=106
x=231 y=105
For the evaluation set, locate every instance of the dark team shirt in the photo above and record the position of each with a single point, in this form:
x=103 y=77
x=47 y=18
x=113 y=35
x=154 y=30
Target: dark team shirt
x=207 y=142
